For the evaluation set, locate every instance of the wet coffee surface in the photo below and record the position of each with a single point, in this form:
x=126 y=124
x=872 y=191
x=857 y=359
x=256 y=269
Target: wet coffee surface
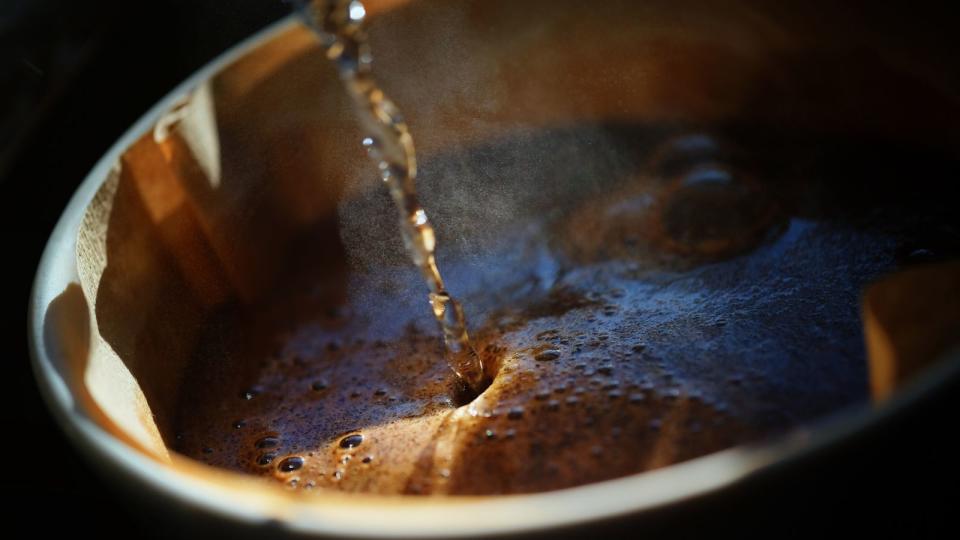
x=649 y=298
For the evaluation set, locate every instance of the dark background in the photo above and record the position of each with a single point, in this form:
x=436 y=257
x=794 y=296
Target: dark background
x=75 y=75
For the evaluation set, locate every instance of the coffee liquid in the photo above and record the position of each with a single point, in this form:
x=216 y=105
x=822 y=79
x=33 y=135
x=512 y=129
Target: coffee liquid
x=675 y=294
x=339 y=25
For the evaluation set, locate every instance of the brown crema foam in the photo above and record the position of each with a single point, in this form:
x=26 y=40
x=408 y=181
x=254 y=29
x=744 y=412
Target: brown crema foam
x=567 y=406
x=615 y=352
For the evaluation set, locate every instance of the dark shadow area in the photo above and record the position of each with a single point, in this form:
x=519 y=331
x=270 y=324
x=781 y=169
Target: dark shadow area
x=76 y=76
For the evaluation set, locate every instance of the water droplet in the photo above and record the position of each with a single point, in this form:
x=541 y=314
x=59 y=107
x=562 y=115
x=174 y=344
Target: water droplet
x=511 y=433
x=489 y=434
x=356 y=12
x=541 y=396
x=547 y=355
x=637 y=399
x=319 y=386
x=419 y=217
x=605 y=370
x=237 y=424
x=251 y=393
x=615 y=394
x=573 y=400
x=351 y=441
x=390 y=171
x=267 y=442
x=515 y=413
x=553 y=405
x=290 y=464
x=266 y=459
x=207 y=450
x=345 y=459
x=338 y=475
x=380 y=392
x=367 y=459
